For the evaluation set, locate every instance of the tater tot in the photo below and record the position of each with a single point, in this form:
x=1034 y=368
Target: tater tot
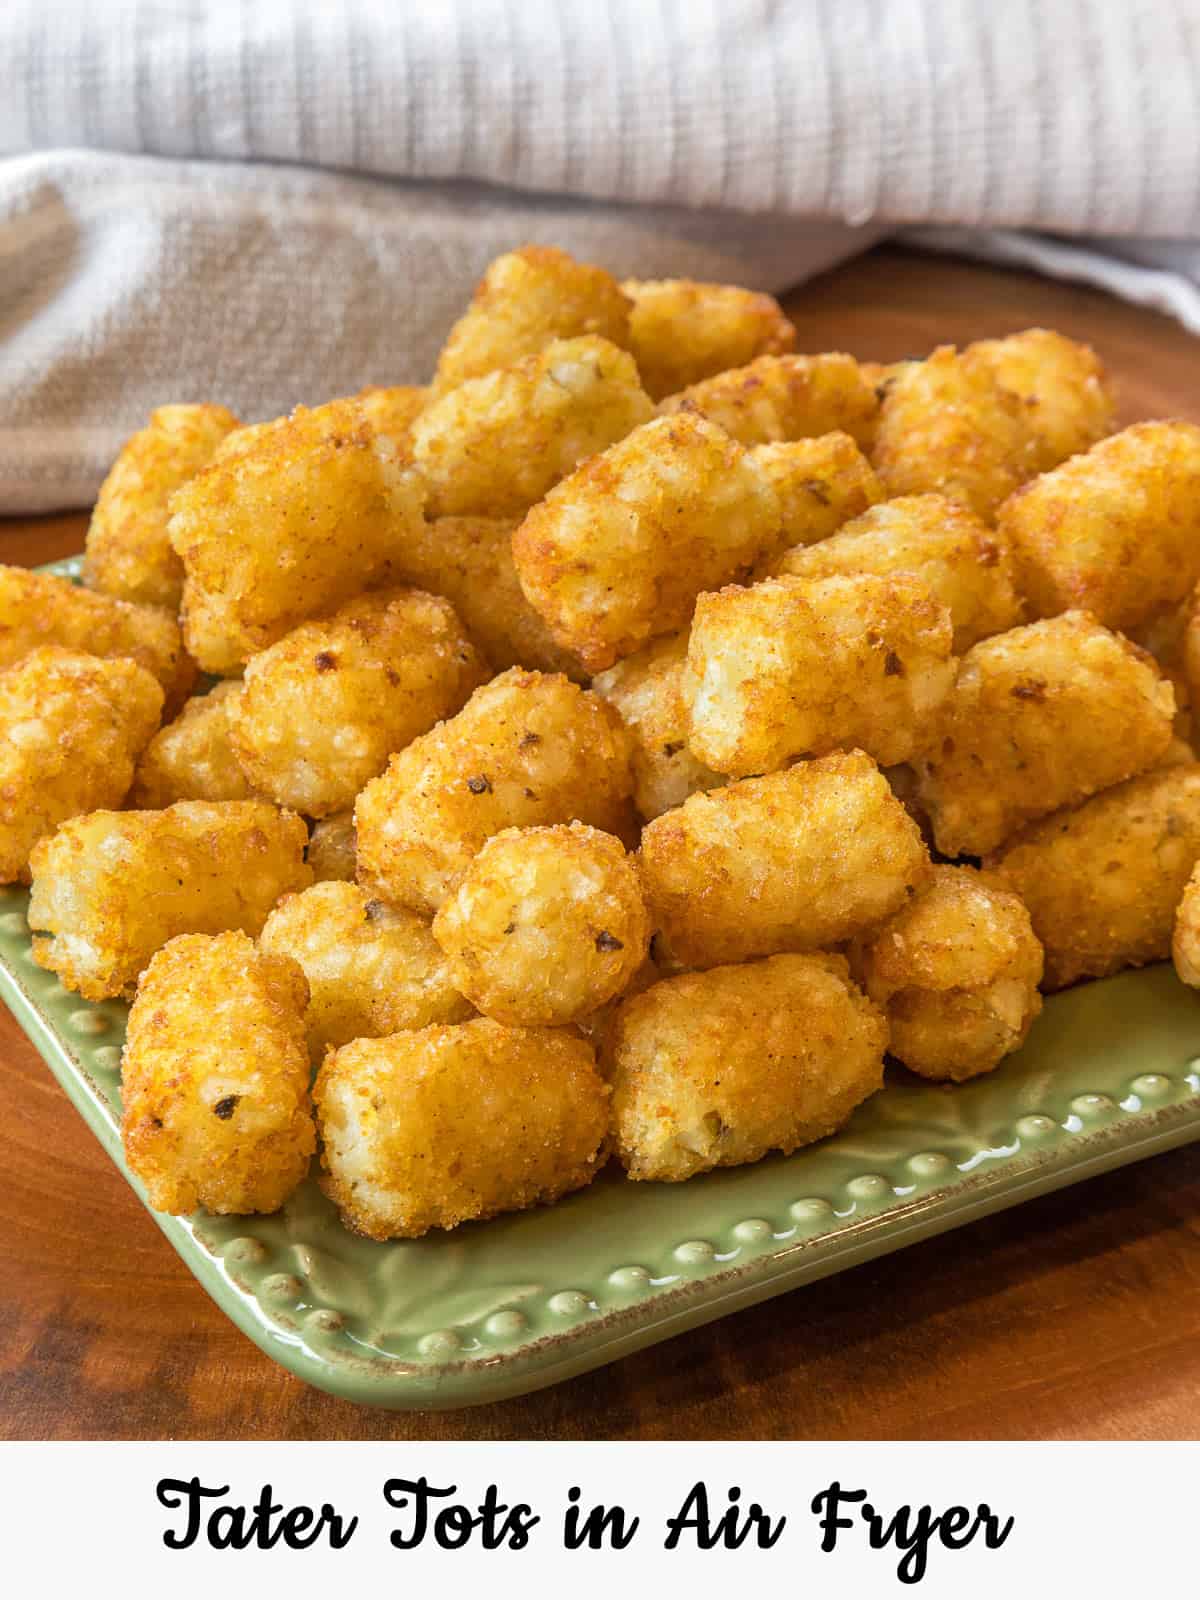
x=321 y=710
x=785 y=397
x=71 y=728
x=470 y=561
x=715 y=1069
x=392 y=411
x=545 y=925
x=798 y=667
x=1065 y=390
x=443 y=1125
x=948 y=426
x=1102 y=881
x=331 y=849
x=1041 y=717
x=1115 y=531
x=128 y=552
x=192 y=758
x=527 y=749
x=798 y=860
x=214 y=1078
x=523 y=301
x=956 y=971
x=617 y=553
x=647 y=690
x=248 y=436
x=681 y=332
x=1185 y=938
x=38 y=608
x=371 y=968
x=110 y=888
x=820 y=484
x=967 y=565
x=494 y=445
x=309 y=514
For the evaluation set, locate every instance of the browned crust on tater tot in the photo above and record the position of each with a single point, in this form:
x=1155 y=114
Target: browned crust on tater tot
x=957 y=971
x=1115 y=531
x=617 y=553
x=682 y=332
x=496 y=444
x=71 y=728
x=523 y=301
x=304 y=517
x=322 y=709
x=110 y=888
x=798 y=667
x=129 y=554
x=546 y=925
x=1102 y=881
x=967 y=565
x=528 y=748
x=214 y=1078
x=443 y=1125
x=785 y=397
x=1041 y=717
x=798 y=860
x=716 y=1069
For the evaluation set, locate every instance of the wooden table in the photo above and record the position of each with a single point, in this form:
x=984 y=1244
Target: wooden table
x=1074 y=1316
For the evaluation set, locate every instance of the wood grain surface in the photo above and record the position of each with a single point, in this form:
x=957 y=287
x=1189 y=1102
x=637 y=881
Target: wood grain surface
x=1075 y=1316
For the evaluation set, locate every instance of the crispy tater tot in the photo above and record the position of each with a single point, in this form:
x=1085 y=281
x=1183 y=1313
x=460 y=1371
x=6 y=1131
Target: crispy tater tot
x=715 y=1069
x=966 y=564
x=246 y=437
x=957 y=971
x=1185 y=938
x=820 y=484
x=798 y=860
x=1102 y=881
x=331 y=849
x=527 y=749
x=948 y=426
x=110 y=888
x=523 y=301
x=681 y=332
x=647 y=690
x=71 y=728
x=798 y=667
x=192 y=758
x=617 y=553
x=310 y=513
x=1115 y=531
x=443 y=1125
x=214 y=1078
x=128 y=552
x=785 y=397
x=38 y=608
x=881 y=375
x=545 y=925
x=494 y=445
x=1041 y=717
x=321 y=710
x=470 y=561
x=1065 y=390
x=371 y=968
x=392 y=411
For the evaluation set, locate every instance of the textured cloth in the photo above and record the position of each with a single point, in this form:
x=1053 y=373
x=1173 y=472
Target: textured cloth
x=177 y=220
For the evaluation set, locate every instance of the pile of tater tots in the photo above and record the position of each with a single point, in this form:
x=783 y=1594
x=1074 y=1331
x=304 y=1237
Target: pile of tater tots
x=618 y=747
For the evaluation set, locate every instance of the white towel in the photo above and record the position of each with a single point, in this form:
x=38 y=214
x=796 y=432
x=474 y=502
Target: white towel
x=266 y=201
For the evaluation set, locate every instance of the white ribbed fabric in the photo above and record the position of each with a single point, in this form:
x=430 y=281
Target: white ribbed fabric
x=176 y=218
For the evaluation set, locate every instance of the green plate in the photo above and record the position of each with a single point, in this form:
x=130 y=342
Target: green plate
x=1110 y=1073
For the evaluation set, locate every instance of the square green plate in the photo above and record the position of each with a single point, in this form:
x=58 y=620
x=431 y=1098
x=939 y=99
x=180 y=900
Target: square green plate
x=1110 y=1073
